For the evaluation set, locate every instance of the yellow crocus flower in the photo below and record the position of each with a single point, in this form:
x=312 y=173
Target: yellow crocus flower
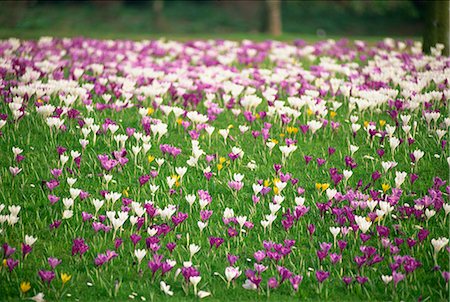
x=222 y=160
x=65 y=278
x=318 y=186
x=150 y=158
x=150 y=110
x=385 y=187
x=325 y=186
x=25 y=286
x=382 y=123
x=309 y=112
x=291 y=130
x=219 y=167
x=333 y=114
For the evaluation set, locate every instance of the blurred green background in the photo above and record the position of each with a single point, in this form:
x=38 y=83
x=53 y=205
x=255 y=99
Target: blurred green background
x=209 y=19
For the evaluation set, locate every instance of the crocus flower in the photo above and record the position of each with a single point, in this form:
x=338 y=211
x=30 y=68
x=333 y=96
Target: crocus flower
x=347 y=280
x=79 y=247
x=11 y=264
x=322 y=276
x=46 y=276
x=295 y=281
x=272 y=282
x=54 y=262
x=397 y=277
x=8 y=250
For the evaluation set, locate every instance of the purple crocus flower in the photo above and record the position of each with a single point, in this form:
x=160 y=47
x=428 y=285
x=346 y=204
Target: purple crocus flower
x=347 y=280
x=53 y=262
x=100 y=259
x=423 y=234
x=171 y=246
x=232 y=259
x=135 y=238
x=361 y=279
x=272 y=282
x=216 y=242
x=446 y=276
x=55 y=224
x=165 y=267
x=8 y=250
x=79 y=247
x=397 y=277
x=295 y=281
x=53 y=199
x=322 y=276
x=155 y=264
x=46 y=276
x=311 y=229
x=188 y=272
x=11 y=264
x=331 y=151
x=117 y=243
x=284 y=273
x=259 y=256
x=320 y=161
x=307 y=159
x=342 y=244
x=413 y=177
x=335 y=258
x=26 y=249
x=144 y=179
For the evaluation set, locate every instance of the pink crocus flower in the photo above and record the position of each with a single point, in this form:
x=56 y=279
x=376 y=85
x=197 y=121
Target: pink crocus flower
x=14 y=171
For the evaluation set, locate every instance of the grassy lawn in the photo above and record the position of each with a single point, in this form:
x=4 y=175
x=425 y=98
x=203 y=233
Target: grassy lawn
x=198 y=83
x=35 y=34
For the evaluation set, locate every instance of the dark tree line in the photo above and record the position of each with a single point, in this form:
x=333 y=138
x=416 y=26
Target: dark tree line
x=268 y=14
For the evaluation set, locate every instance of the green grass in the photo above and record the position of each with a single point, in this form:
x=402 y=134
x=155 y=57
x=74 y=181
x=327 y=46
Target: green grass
x=32 y=135
x=35 y=34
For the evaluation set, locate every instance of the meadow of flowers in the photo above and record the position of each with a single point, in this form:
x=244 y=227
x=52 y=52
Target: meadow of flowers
x=232 y=171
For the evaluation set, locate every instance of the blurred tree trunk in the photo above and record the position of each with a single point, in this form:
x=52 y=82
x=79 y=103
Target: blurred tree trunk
x=274 y=17
x=158 y=6
x=437 y=26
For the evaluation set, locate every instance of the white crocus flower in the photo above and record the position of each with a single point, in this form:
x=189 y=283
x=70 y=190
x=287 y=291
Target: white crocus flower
x=386 y=279
x=439 y=243
x=165 y=288
x=232 y=273
x=399 y=178
x=140 y=254
x=30 y=240
x=362 y=223
x=202 y=225
x=193 y=249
